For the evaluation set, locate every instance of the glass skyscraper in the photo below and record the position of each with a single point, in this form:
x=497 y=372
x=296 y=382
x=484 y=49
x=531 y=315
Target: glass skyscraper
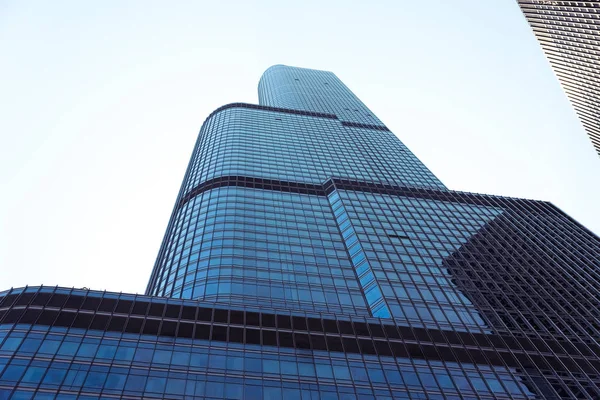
x=311 y=255
x=569 y=33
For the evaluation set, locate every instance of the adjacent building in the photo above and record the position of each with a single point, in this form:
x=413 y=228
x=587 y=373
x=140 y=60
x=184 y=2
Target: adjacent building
x=311 y=255
x=569 y=33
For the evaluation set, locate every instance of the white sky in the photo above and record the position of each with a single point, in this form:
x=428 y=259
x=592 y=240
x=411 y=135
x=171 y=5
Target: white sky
x=101 y=103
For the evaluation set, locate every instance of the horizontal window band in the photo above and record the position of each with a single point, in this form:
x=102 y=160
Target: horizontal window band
x=309 y=333
x=273 y=109
x=343 y=184
x=254 y=183
x=366 y=126
x=398 y=236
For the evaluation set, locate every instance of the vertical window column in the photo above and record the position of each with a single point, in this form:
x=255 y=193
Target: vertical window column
x=365 y=276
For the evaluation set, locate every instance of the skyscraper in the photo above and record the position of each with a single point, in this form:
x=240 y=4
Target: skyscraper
x=311 y=255
x=569 y=33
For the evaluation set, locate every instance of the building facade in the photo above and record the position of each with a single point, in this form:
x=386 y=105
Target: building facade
x=311 y=255
x=569 y=33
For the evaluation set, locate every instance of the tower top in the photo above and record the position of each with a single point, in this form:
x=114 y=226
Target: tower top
x=306 y=89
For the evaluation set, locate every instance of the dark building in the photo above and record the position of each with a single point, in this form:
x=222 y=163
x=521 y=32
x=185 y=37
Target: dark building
x=569 y=33
x=311 y=255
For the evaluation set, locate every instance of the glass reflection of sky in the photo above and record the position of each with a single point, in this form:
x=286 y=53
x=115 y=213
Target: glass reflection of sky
x=404 y=242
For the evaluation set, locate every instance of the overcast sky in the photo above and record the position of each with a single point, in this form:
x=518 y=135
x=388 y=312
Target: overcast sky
x=101 y=103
